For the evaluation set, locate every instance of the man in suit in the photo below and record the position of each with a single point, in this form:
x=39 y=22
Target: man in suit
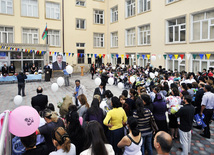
x=59 y=64
x=40 y=100
x=12 y=68
x=21 y=83
x=4 y=70
x=198 y=97
x=46 y=66
x=100 y=91
x=25 y=68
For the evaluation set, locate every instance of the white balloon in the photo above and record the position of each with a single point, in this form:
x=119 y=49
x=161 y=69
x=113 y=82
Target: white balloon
x=153 y=58
x=97 y=81
x=132 y=79
x=135 y=66
x=60 y=81
x=123 y=66
x=17 y=100
x=54 y=87
x=69 y=69
x=120 y=85
x=111 y=81
x=156 y=73
x=98 y=69
x=104 y=70
x=113 y=68
x=179 y=60
x=152 y=75
x=146 y=72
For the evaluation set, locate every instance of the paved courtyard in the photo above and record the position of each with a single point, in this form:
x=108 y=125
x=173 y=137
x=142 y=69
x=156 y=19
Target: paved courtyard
x=199 y=144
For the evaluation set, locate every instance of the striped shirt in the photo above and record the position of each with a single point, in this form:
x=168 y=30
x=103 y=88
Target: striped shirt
x=144 y=124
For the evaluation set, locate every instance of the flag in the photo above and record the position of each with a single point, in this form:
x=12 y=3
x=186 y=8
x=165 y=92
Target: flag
x=208 y=56
x=182 y=56
x=165 y=56
x=45 y=33
x=176 y=56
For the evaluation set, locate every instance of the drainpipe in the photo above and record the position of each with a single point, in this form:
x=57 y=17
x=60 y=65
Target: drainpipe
x=63 y=36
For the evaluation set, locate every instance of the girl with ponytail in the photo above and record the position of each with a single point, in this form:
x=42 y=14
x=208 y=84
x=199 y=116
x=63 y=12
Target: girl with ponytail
x=133 y=141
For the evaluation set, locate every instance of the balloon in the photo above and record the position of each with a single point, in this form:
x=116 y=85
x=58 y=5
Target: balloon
x=60 y=81
x=69 y=69
x=98 y=69
x=113 y=68
x=23 y=121
x=153 y=58
x=104 y=70
x=135 y=66
x=110 y=81
x=146 y=72
x=123 y=66
x=132 y=79
x=97 y=81
x=54 y=87
x=120 y=85
x=179 y=60
x=80 y=120
x=156 y=73
x=152 y=75
x=175 y=109
x=17 y=100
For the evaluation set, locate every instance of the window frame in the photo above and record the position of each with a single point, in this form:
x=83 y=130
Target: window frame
x=99 y=40
x=49 y=39
x=28 y=33
x=133 y=37
x=173 y=63
x=55 y=12
x=79 y=44
x=173 y=1
x=79 y=20
x=98 y=14
x=114 y=13
x=80 y=2
x=148 y=33
x=132 y=8
x=7 y=32
x=32 y=5
x=6 y=8
x=114 y=37
x=81 y=58
x=148 y=6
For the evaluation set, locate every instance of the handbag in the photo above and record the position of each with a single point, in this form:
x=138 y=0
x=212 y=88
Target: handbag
x=153 y=125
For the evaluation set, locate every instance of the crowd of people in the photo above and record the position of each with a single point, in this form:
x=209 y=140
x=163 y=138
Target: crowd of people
x=132 y=123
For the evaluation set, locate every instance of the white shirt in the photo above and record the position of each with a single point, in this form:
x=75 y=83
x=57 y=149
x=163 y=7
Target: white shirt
x=208 y=100
x=61 y=152
x=50 y=65
x=109 y=150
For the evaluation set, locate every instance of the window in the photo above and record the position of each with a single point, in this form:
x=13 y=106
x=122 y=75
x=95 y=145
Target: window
x=203 y=26
x=81 y=57
x=176 y=29
x=98 y=17
x=130 y=8
x=114 y=14
x=30 y=8
x=52 y=10
x=130 y=37
x=6 y=34
x=30 y=36
x=80 y=23
x=80 y=44
x=98 y=40
x=170 y=1
x=114 y=39
x=174 y=63
x=144 y=35
x=80 y=2
x=6 y=6
x=54 y=37
x=143 y=5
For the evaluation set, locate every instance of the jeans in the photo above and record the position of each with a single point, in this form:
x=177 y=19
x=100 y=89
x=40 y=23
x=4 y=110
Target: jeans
x=147 y=144
x=208 y=116
x=21 y=86
x=66 y=77
x=185 y=140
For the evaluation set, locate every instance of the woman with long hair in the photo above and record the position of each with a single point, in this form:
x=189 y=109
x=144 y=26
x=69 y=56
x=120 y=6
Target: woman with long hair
x=133 y=141
x=84 y=105
x=144 y=115
x=115 y=119
x=62 y=143
x=75 y=131
x=96 y=143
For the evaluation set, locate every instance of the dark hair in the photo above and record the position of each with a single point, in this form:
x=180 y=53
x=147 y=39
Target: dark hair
x=116 y=102
x=208 y=87
x=133 y=125
x=108 y=94
x=94 y=109
x=173 y=85
x=158 y=97
x=164 y=143
x=166 y=86
x=133 y=91
x=140 y=108
x=29 y=141
x=77 y=81
x=184 y=86
x=157 y=89
x=189 y=85
x=96 y=138
x=175 y=91
x=39 y=90
x=146 y=98
x=125 y=93
x=72 y=108
x=188 y=98
x=201 y=84
x=51 y=107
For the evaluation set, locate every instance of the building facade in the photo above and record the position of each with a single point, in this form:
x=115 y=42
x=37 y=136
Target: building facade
x=178 y=34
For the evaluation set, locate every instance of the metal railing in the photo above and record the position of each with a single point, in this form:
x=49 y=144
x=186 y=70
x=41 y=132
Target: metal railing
x=5 y=139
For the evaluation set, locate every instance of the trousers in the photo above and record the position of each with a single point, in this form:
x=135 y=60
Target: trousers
x=208 y=116
x=21 y=86
x=185 y=140
x=66 y=77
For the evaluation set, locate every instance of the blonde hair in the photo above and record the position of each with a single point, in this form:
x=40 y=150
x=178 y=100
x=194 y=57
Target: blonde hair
x=50 y=115
x=83 y=100
x=97 y=97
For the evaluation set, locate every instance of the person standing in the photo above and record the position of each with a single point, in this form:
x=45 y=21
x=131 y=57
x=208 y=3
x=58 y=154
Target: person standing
x=78 y=90
x=92 y=69
x=100 y=91
x=186 y=114
x=4 y=70
x=51 y=67
x=21 y=83
x=46 y=66
x=198 y=98
x=66 y=77
x=12 y=69
x=33 y=69
x=207 y=106
x=25 y=68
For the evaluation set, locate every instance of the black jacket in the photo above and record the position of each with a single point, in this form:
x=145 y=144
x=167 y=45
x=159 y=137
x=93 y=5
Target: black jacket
x=46 y=67
x=4 y=70
x=25 y=69
x=198 y=98
x=56 y=66
x=12 y=70
x=21 y=78
x=97 y=92
x=40 y=100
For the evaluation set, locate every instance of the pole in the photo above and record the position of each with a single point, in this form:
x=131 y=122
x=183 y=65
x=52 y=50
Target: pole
x=47 y=57
x=63 y=43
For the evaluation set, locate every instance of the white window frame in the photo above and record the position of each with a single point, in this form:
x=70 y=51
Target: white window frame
x=7 y=33
x=142 y=7
x=79 y=44
x=114 y=39
x=170 y=1
x=173 y=63
x=132 y=8
x=144 y=32
x=210 y=20
x=145 y=60
x=78 y=20
x=99 y=39
x=8 y=4
x=114 y=14
x=29 y=7
x=34 y=35
x=80 y=3
x=56 y=9
x=132 y=35
x=51 y=36
x=179 y=30
x=98 y=16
